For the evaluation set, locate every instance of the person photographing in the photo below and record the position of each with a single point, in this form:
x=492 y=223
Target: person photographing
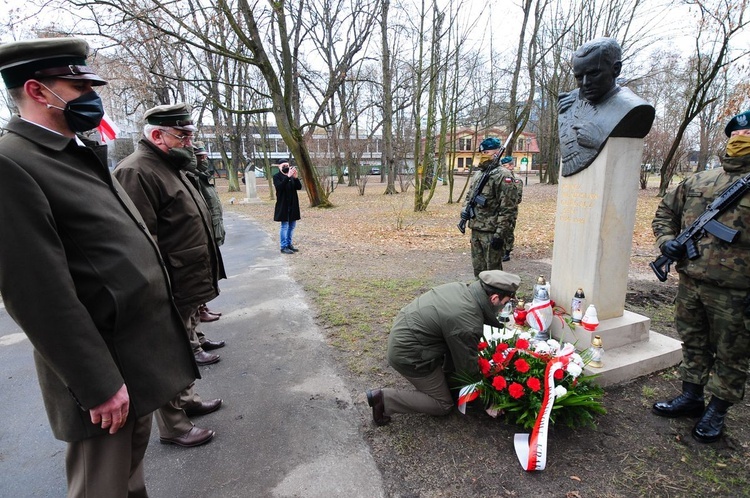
x=287 y=183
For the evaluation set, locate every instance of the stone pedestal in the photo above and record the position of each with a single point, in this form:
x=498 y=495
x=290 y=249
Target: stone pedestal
x=251 y=192
x=593 y=243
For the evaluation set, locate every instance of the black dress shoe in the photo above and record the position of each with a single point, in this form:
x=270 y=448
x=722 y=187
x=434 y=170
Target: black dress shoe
x=204 y=358
x=294 y=249
x=711 y=425
x=203 y=408
x=286 y=250
x=375 y=400
x=194 y=437
x=506 y=256
x=688 y=404
x=208 y=345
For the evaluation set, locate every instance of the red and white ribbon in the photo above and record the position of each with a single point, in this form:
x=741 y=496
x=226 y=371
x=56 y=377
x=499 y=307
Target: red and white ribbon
x=467 y=394
x=532 y=449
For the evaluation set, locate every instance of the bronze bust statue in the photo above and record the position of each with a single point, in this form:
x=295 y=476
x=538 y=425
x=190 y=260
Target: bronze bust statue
x=599 y=108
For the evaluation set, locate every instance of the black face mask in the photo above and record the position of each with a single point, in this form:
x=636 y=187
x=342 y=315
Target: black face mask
x=285 y=169
x=183 y=158
x=84 y=113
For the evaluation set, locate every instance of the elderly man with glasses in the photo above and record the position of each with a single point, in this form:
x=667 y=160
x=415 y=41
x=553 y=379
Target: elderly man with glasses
x=177 y=217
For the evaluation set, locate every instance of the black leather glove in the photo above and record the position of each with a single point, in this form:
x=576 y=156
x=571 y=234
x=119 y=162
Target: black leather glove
x=464 y=215
x=496 y=243
x=673 y=250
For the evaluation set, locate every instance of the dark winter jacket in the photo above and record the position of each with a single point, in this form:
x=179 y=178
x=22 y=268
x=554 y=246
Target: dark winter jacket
x=83 y=278
x=178 y=218
x=287 y=202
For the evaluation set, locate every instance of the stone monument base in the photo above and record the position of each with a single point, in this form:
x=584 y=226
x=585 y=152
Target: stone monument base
x=630 y=348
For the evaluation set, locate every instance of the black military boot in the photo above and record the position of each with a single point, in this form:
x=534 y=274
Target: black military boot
x=506 y=256
x=711 y=425
x=688 y=404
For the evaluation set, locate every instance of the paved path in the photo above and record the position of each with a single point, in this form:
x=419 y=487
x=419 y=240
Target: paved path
x=288 y=426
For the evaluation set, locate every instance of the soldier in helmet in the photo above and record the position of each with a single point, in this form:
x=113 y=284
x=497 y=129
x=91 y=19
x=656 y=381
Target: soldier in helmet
x=712 y=308
x=492 y=225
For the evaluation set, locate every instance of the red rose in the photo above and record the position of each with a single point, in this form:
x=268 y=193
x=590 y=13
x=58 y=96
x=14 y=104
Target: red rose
x=502 y=347
x=521 y=365
x=482 y=345
x=559 y=374
x=522 y=344
x=515 y=390
x=484 y=366
x=499 y=383
x=534 y=384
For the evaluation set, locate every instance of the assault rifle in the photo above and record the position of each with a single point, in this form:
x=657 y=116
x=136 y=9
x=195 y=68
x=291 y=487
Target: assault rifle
x=477 y=199
x=706 y=222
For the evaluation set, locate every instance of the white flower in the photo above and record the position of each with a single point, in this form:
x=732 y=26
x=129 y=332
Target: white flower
x=553 y=345
x=492 y=333
x=541 y=347
x=524 y=335
x=574 y=369
x=507 y=333
x=560 y=391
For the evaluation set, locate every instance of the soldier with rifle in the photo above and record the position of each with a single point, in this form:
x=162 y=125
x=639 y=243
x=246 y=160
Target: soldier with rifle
x=489 y=209
x=704 y=226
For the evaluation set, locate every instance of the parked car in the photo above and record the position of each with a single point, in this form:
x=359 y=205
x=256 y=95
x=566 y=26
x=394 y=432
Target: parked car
x=375 y=170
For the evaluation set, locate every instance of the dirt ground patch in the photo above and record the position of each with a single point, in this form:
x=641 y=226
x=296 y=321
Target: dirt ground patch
x=364 y=259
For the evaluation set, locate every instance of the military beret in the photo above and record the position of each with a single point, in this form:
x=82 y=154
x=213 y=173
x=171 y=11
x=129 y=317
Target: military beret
x=500 y=280
x=506 y=160
x=174 y=116
x=739 y=122
x=490 y=143
x=46 y=58
x=199 y=149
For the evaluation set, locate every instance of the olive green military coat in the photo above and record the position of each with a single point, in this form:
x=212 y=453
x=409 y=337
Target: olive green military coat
x=83 y=278
x=446 y=322
x=177 y=216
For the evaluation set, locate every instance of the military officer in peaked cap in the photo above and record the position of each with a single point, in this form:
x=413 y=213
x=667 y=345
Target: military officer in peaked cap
x=441 y=327
x=80 y=274
x=155 y=177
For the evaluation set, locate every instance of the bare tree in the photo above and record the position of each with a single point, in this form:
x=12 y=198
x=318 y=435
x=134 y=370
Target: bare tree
x=719 y=22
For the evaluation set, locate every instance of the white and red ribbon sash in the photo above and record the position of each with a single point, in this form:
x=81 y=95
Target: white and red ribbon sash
x=467 y=394
x=532 y=450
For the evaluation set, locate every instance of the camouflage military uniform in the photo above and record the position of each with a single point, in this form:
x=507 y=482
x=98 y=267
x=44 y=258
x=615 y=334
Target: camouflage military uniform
x=518 y=183
x=493 y=220
x=711 y=313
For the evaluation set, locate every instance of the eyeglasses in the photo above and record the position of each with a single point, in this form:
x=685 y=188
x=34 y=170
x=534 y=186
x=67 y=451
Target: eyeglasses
x=184 y=139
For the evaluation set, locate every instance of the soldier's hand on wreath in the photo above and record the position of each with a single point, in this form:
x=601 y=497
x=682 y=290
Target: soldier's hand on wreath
x=496 y=243
x=674 y=250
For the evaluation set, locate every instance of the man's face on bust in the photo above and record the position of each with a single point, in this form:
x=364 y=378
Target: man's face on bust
x=595 y=75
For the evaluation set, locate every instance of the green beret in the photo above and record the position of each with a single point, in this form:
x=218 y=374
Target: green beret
x=46 y=58
x=490 y=143
x=500 y=280
x=739 y=122
x=174 y=116
x=199 y=149
x=506 y=160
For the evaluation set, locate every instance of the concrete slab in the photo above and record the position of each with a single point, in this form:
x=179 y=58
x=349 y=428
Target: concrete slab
x=637 y=359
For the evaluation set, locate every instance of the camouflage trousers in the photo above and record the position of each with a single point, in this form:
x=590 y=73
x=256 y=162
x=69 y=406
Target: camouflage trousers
x=483 y=256
x=511 y=240
x=715 y=337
